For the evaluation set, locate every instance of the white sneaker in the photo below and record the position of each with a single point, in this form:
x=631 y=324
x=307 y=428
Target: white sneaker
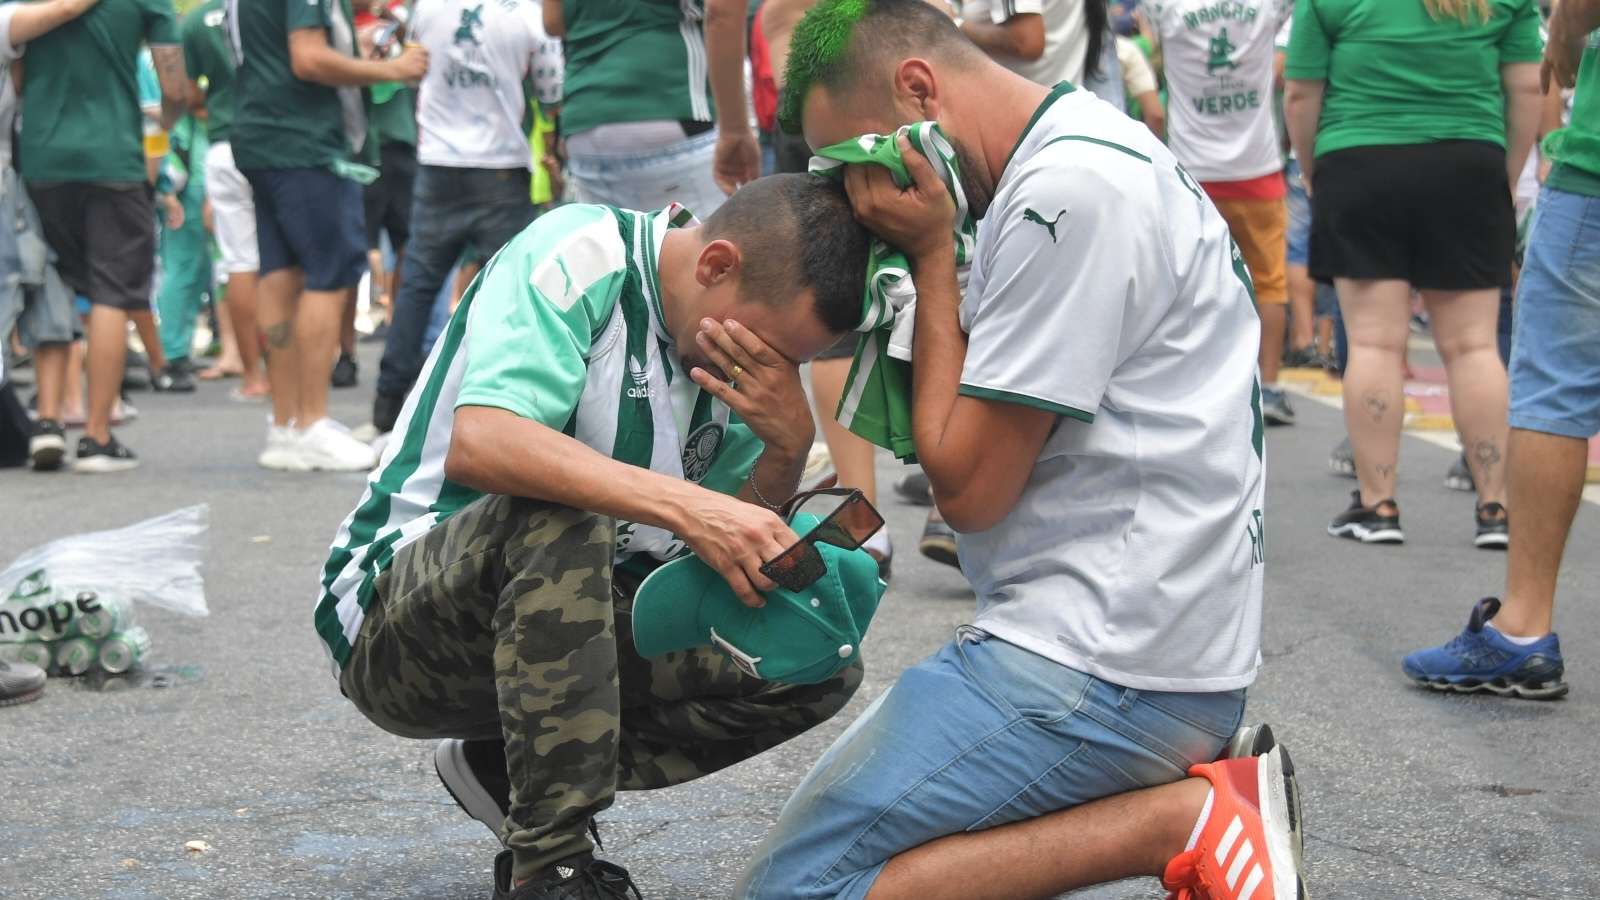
x=366 y=434
x=282 y=451
x=328 y=447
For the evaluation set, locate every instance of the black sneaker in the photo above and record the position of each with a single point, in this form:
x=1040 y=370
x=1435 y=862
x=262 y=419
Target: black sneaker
x=914 y=489
x=344 y=372
x=474 y=772
x=95 y=458
x=135 y=372
x=1369 y=524
x=580 y=877
x=173 y=380
x=939 y=541
x=1494 y=527
x=20 y=683
x=1459 y=478
x=1306 y=357
x=386 y=411
x=47 y=447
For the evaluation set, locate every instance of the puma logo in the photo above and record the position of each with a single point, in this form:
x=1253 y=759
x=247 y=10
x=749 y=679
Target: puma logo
x=1029 y=215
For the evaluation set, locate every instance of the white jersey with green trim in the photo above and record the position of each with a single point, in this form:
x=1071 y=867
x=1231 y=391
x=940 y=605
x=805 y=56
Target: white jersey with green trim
x=564 y=326
x=1105 y=289
x=1217 y=55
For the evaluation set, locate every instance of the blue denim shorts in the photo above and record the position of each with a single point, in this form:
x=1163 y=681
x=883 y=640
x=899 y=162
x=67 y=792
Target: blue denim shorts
x=1299 y=217
x=313 y=220
x=980 y=734
x=1555 y=343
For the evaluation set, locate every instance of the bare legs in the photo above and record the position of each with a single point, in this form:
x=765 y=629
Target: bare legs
x=1376 y=315
x=1302 y=307
x=1546 y=483
x=1117 y=837
x=108 y=347
x=318 y=325
x=50 y=371
x=852 y=455
x=1274 y=318
x=1465 y=330
x=1376 y=319
x=240 y=300
x=279 y=295
x=347 y=324
x=144 y=324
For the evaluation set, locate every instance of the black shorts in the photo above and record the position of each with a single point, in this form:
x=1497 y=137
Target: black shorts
x=1438 y=215
x=388 y=200
x=104 y=238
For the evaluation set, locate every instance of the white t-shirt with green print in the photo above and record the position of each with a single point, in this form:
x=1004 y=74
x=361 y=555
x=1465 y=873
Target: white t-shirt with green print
x=564 y=327
x=1105 y=289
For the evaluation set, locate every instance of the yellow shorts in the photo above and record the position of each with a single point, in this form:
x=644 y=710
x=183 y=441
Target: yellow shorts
x=1261 y=228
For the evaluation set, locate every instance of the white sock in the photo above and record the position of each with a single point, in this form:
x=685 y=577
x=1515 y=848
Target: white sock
x=1200 y=824
x=1517 y=639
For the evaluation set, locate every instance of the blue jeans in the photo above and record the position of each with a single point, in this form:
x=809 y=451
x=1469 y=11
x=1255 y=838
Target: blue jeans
x=1299 y=203
x=980 y=734
x=451 y=208
x=1555 y=351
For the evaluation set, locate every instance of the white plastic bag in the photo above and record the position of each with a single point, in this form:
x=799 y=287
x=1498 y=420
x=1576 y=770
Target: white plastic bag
x=156 y=561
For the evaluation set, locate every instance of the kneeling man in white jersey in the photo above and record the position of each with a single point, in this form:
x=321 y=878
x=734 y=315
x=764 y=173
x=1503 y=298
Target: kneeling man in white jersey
x=614 y=389
x=1089 y=417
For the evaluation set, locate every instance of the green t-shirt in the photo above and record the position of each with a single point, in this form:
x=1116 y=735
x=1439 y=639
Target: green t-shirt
x=210 y=61
x=1576 y=148
x=281 y=122
x=564 y=327
x=632 y=61
x=1396 y=76
x=82 y=91
x=395 y=119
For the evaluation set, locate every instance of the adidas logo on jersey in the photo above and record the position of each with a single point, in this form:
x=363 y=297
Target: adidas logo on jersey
x=640 y=389
x=1235 y=839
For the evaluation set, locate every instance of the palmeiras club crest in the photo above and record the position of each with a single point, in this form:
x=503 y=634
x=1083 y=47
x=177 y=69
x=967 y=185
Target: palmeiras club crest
x=700 y=449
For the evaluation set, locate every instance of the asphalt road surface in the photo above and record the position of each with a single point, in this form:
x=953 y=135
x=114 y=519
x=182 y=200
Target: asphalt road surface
x=249 y=747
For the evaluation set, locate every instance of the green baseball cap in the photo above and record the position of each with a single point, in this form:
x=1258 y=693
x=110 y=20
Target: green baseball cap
x=797 y=638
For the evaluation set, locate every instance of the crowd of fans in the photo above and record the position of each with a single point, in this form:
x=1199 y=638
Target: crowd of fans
x=272 y=170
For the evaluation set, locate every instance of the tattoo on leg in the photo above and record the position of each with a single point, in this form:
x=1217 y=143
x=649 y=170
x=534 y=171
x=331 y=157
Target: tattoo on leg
x=1385 y=470
x=279 y=335
x=1376 y=405
x=1487 y=455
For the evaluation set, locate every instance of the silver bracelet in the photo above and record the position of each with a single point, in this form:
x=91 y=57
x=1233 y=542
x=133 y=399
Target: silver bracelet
x=757 y=491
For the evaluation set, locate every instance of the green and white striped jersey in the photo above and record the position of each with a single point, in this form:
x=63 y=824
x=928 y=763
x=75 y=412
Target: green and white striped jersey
x=564 y=326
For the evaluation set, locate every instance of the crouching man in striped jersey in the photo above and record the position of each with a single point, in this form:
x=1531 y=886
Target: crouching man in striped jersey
x=614 y=389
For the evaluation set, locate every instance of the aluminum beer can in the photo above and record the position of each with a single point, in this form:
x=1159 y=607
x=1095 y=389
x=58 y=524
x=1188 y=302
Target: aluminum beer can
x=111 y=616
x=74 y=656
x=124 y=650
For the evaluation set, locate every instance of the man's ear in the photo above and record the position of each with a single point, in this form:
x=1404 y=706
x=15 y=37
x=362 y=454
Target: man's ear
x=916 y=89
x=719 y=261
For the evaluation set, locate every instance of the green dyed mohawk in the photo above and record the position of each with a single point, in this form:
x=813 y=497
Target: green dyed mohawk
x=818 y=42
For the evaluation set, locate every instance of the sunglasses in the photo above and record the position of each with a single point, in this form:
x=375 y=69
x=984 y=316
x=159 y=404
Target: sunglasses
x=848 y=520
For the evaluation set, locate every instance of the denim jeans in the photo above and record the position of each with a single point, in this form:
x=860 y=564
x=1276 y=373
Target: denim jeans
x=980 y=734
x=1555 y=355
x=451 y=208
x=649 y=180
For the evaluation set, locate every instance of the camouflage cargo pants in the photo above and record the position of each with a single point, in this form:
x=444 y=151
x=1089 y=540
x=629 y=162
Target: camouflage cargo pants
x=503 y=622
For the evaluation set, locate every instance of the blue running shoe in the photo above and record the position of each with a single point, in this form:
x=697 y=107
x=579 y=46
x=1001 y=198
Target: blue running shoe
x=1481 y=659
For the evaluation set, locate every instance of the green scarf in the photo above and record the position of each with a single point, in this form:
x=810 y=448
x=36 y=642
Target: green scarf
x=877 y=394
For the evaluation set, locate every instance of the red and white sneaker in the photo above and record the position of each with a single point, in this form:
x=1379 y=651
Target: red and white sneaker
x=1251 y=846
